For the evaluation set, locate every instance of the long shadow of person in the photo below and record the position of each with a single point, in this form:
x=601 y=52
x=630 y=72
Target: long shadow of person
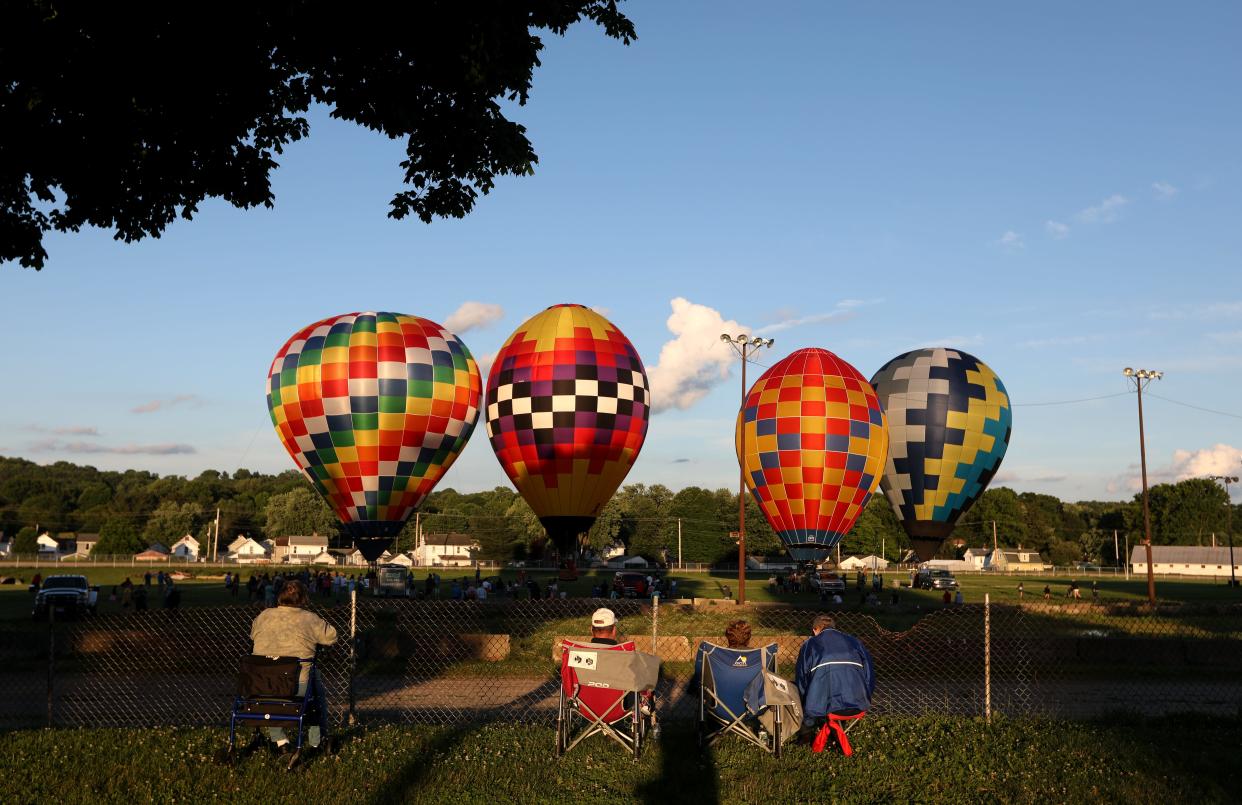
x=687 y=773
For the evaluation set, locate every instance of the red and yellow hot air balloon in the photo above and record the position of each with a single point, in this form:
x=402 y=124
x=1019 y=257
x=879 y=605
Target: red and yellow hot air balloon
x=567 y=409
x=374 y=408
x=814 y=449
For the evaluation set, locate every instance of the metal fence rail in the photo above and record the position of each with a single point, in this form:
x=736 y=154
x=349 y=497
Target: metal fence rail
x=460 y=662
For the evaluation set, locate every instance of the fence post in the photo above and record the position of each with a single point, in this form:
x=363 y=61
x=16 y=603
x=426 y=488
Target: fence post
x=353 y=661
x=655 y=620
x=51 y=659
x=987 y=657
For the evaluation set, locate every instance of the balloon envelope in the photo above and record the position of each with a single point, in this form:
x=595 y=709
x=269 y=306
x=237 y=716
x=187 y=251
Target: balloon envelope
x=567 y=409
x=949 y=419
x=374 y=408
x=814 y=446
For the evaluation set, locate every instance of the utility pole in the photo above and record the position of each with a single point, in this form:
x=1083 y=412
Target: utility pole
x=1116 y=553
x=745 y=346
x=680 y=566
x=1141 y=377
x=993 y=535
x=1127 y=559
x=215 y=538
x=1229 y=479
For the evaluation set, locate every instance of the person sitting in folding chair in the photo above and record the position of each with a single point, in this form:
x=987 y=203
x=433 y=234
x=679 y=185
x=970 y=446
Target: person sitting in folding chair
x=605 y=688
x=740 y=694
x=290 y=630
x=836 y=679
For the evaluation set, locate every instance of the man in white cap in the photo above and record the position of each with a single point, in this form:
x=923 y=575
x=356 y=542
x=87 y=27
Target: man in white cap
x=604 y=627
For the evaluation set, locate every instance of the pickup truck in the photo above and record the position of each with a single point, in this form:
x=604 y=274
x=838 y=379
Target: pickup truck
x=66 y=595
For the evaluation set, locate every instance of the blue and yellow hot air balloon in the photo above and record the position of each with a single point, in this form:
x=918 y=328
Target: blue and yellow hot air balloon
x=949 y=422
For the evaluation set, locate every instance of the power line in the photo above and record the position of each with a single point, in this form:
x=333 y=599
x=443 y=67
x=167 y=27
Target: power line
x=1196 y=407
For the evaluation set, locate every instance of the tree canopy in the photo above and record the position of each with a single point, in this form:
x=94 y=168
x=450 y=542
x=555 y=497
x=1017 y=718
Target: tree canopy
x=132 y=509
x=128 y=116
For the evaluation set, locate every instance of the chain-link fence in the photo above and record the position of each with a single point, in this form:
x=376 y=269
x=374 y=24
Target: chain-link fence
x=458 y=662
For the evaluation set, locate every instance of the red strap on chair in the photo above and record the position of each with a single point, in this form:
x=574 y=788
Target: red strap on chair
x=821 y=739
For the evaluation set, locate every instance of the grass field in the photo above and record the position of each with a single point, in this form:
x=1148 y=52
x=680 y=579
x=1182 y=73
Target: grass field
x=206 y=589
x=907 y=760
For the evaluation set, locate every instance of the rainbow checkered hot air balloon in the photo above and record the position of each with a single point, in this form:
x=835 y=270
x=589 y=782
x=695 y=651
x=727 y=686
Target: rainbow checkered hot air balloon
x=815 y=441
x=950 y=420
x=374 y=408
x=567 y=408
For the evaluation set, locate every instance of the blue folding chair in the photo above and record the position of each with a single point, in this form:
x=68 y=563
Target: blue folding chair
x=267 y=696
x=731 y=695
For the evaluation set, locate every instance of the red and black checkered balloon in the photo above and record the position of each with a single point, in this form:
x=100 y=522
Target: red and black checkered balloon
x=567 y=409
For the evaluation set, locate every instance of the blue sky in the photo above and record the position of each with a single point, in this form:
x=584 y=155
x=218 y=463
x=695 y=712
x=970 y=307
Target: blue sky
x=1052 y=188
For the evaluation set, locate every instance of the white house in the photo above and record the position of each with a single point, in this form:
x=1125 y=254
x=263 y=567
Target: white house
x=186 y=548
x=324 y=558
x=978 y=558
x=626 y=562
x=402 y=559
x=868 y=562
x=87 y=543
x=1185 y=560
x=354 y=558
x=1020 y=560
x=246 y=551
x=47 y=543
x=298 y=549
x=445 y=550
x=951 y=565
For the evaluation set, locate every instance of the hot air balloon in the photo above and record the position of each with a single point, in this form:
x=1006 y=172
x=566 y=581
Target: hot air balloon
x=949 y=419
x=815 y=441
x=567 y=409
x=374 y=408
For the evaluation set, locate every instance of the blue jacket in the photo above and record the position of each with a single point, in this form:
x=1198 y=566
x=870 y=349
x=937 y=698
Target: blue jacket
x=834 y=675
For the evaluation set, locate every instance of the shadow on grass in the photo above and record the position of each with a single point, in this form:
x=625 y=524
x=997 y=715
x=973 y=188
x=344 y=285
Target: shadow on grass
x=399 y=786
x=687 y=774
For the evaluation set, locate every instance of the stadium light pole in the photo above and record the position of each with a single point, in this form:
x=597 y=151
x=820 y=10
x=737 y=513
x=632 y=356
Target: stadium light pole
x=1141 y=378
x=746 y=347
x=1226 y=480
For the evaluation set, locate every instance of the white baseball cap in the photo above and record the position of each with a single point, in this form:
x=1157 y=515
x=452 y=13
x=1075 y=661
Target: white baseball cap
x=603 y=618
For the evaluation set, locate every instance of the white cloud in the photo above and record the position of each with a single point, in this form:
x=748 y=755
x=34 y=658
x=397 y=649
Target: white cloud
x=696 y=360
x=788 y=318
x=472 y=316
x=156 y=405
x=1164 y=190
x=166 y=449
x=1105 y=212
x=70 y=430
x=485 y=363
x=1056 y=229
x=1220 y=459
x=1011 y=240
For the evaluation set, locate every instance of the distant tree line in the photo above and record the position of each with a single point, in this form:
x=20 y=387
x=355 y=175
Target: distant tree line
x=133 y=509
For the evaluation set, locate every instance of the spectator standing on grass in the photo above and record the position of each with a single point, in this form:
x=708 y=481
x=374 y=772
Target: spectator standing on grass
x=1095 y=591
x=1073 y=590
x=127 y=591
x=947 y=598
x=146 y=579
x=958 y=598
x=1047 y=593
x=252 y=587
x=1020 y=591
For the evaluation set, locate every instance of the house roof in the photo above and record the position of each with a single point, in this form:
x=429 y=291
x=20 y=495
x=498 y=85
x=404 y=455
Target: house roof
x=449 y=539
x=1181 y=555
x=313 y=541
x=87 y=538
x=187 y=539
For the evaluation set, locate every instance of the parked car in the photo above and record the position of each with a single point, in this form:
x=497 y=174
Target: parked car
x=629 y=584
x=66 y=595
x=934 y=578
x=828 y=581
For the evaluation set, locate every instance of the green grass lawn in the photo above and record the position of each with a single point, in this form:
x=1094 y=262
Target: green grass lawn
x=931 y=759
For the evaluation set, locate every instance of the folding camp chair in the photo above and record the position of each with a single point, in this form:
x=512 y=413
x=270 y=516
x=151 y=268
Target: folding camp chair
x=739 y=688
x=267 y=696
x=602 y=689
x=841 y=724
